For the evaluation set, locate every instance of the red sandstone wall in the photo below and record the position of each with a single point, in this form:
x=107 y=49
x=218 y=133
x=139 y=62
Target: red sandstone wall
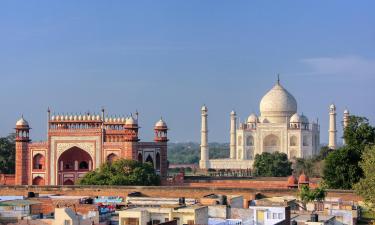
x=7 y=179
x=162 y=191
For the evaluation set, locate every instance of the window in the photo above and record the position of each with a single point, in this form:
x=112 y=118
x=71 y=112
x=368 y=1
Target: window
x=274 y=216
x=250 y=141
x=268 y=215
x=280 y=215
x=83 y=165
x=293 y=141
x=166 y=219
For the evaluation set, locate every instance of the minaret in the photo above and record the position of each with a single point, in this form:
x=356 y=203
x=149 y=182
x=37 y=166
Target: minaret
x=203 y=163
x=332 y=127
x=233 y=128
x=22 y=154
x=345 y=121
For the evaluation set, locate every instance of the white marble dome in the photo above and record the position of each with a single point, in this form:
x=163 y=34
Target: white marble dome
x=130 y=121
x=252 y=118
x=161 y=123
x=304 y=119
x=295 y=118
x=277 y=104
x=22 y=122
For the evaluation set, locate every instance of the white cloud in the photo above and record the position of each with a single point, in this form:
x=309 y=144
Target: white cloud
x=344 y=65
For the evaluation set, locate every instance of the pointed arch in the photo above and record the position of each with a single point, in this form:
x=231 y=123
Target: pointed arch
x=140 y=157
x=39 y=161
x=157 y=161
x=112 y=157
x=38 y=181
x=68 y=182
x=150 y=160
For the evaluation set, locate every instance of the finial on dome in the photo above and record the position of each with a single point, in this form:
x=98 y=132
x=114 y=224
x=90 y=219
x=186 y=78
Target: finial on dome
x=278 y=78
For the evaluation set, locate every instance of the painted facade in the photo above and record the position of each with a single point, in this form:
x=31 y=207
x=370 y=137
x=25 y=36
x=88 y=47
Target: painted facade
x=77 y=144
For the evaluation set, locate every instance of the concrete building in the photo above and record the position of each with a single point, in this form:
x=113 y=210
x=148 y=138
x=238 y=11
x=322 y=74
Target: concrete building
x=279 y=127
x=155 y=215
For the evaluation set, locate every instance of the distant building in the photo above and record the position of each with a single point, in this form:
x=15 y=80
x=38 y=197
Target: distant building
x=278 y=128
x=77 y=144
x=156 y=215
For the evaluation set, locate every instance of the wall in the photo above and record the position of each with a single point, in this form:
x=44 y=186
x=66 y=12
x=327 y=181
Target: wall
x=163 y=191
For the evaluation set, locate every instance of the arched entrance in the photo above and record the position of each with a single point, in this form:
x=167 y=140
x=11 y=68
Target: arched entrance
x=73 y=164
x=271 y=143
x=150 y=160
x=140 y=158
x=38 y=181
x=38 y=162
x=68 y=182
x=112 y=157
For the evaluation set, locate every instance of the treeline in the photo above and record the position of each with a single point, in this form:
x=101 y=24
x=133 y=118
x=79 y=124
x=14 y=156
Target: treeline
x=189 y=153
x=7 y=154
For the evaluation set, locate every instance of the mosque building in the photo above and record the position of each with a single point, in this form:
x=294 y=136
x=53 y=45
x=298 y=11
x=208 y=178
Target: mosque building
x=77 y=144
x=279 y=127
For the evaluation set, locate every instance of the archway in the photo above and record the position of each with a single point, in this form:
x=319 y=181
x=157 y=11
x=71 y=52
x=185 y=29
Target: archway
x=158 y=161
x=250 y=141
x=293 y=141
x=73 y=163
x=271 y=143
x=112 y=157
x=38 y=181
x=140 y=158
x=38 y=162
x=68 y=182
x=150 y=160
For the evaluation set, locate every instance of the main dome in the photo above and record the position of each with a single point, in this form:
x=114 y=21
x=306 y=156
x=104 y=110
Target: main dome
x=278 y=102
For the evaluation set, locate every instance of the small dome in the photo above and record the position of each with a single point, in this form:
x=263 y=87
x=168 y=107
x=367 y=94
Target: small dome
x=80 y=117
x=52 y=117
x=97 y=117
x=295 y=118
x=346 y=111
x=22 y=122
x=292 y=181
x=204 y=108
x=75 y=117
x=332 y=107
x=71 y=117
x=252 y=118
x=160 y=123
x=123 y=120
x=131 y=121
x=303 y=179
x=304 y=119
x=233 y=113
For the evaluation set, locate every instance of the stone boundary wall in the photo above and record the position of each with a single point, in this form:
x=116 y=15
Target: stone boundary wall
x=163 y=191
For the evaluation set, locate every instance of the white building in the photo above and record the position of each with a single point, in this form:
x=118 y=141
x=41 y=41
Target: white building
x=279 y=127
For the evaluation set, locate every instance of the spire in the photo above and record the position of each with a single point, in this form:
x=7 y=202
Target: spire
x=278 y=78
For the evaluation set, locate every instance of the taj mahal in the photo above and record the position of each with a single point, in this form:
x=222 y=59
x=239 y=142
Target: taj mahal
x=279 y=127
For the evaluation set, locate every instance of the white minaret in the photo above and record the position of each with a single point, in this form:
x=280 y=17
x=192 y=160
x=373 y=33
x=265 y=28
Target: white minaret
x=204 y=162
x=233 y=128
x=332 y=127
x=345 y=121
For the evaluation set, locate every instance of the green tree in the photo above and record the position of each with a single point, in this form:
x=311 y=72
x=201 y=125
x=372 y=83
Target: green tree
x=366 y=186
x=122 y=172
x=341 y=169
x=304 y=165
x=272 y=165
x=359 y=133
x=7 y=154
x=307 y=195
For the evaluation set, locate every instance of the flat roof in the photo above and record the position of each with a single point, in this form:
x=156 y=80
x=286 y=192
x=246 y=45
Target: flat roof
x=19 y=203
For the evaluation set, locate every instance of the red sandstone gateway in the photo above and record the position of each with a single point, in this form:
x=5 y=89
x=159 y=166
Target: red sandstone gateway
x=78 y=144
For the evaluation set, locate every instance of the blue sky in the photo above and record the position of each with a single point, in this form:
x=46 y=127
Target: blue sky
x=167 y=58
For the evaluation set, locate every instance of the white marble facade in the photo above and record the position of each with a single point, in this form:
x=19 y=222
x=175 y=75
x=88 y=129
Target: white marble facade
x=279 y=127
